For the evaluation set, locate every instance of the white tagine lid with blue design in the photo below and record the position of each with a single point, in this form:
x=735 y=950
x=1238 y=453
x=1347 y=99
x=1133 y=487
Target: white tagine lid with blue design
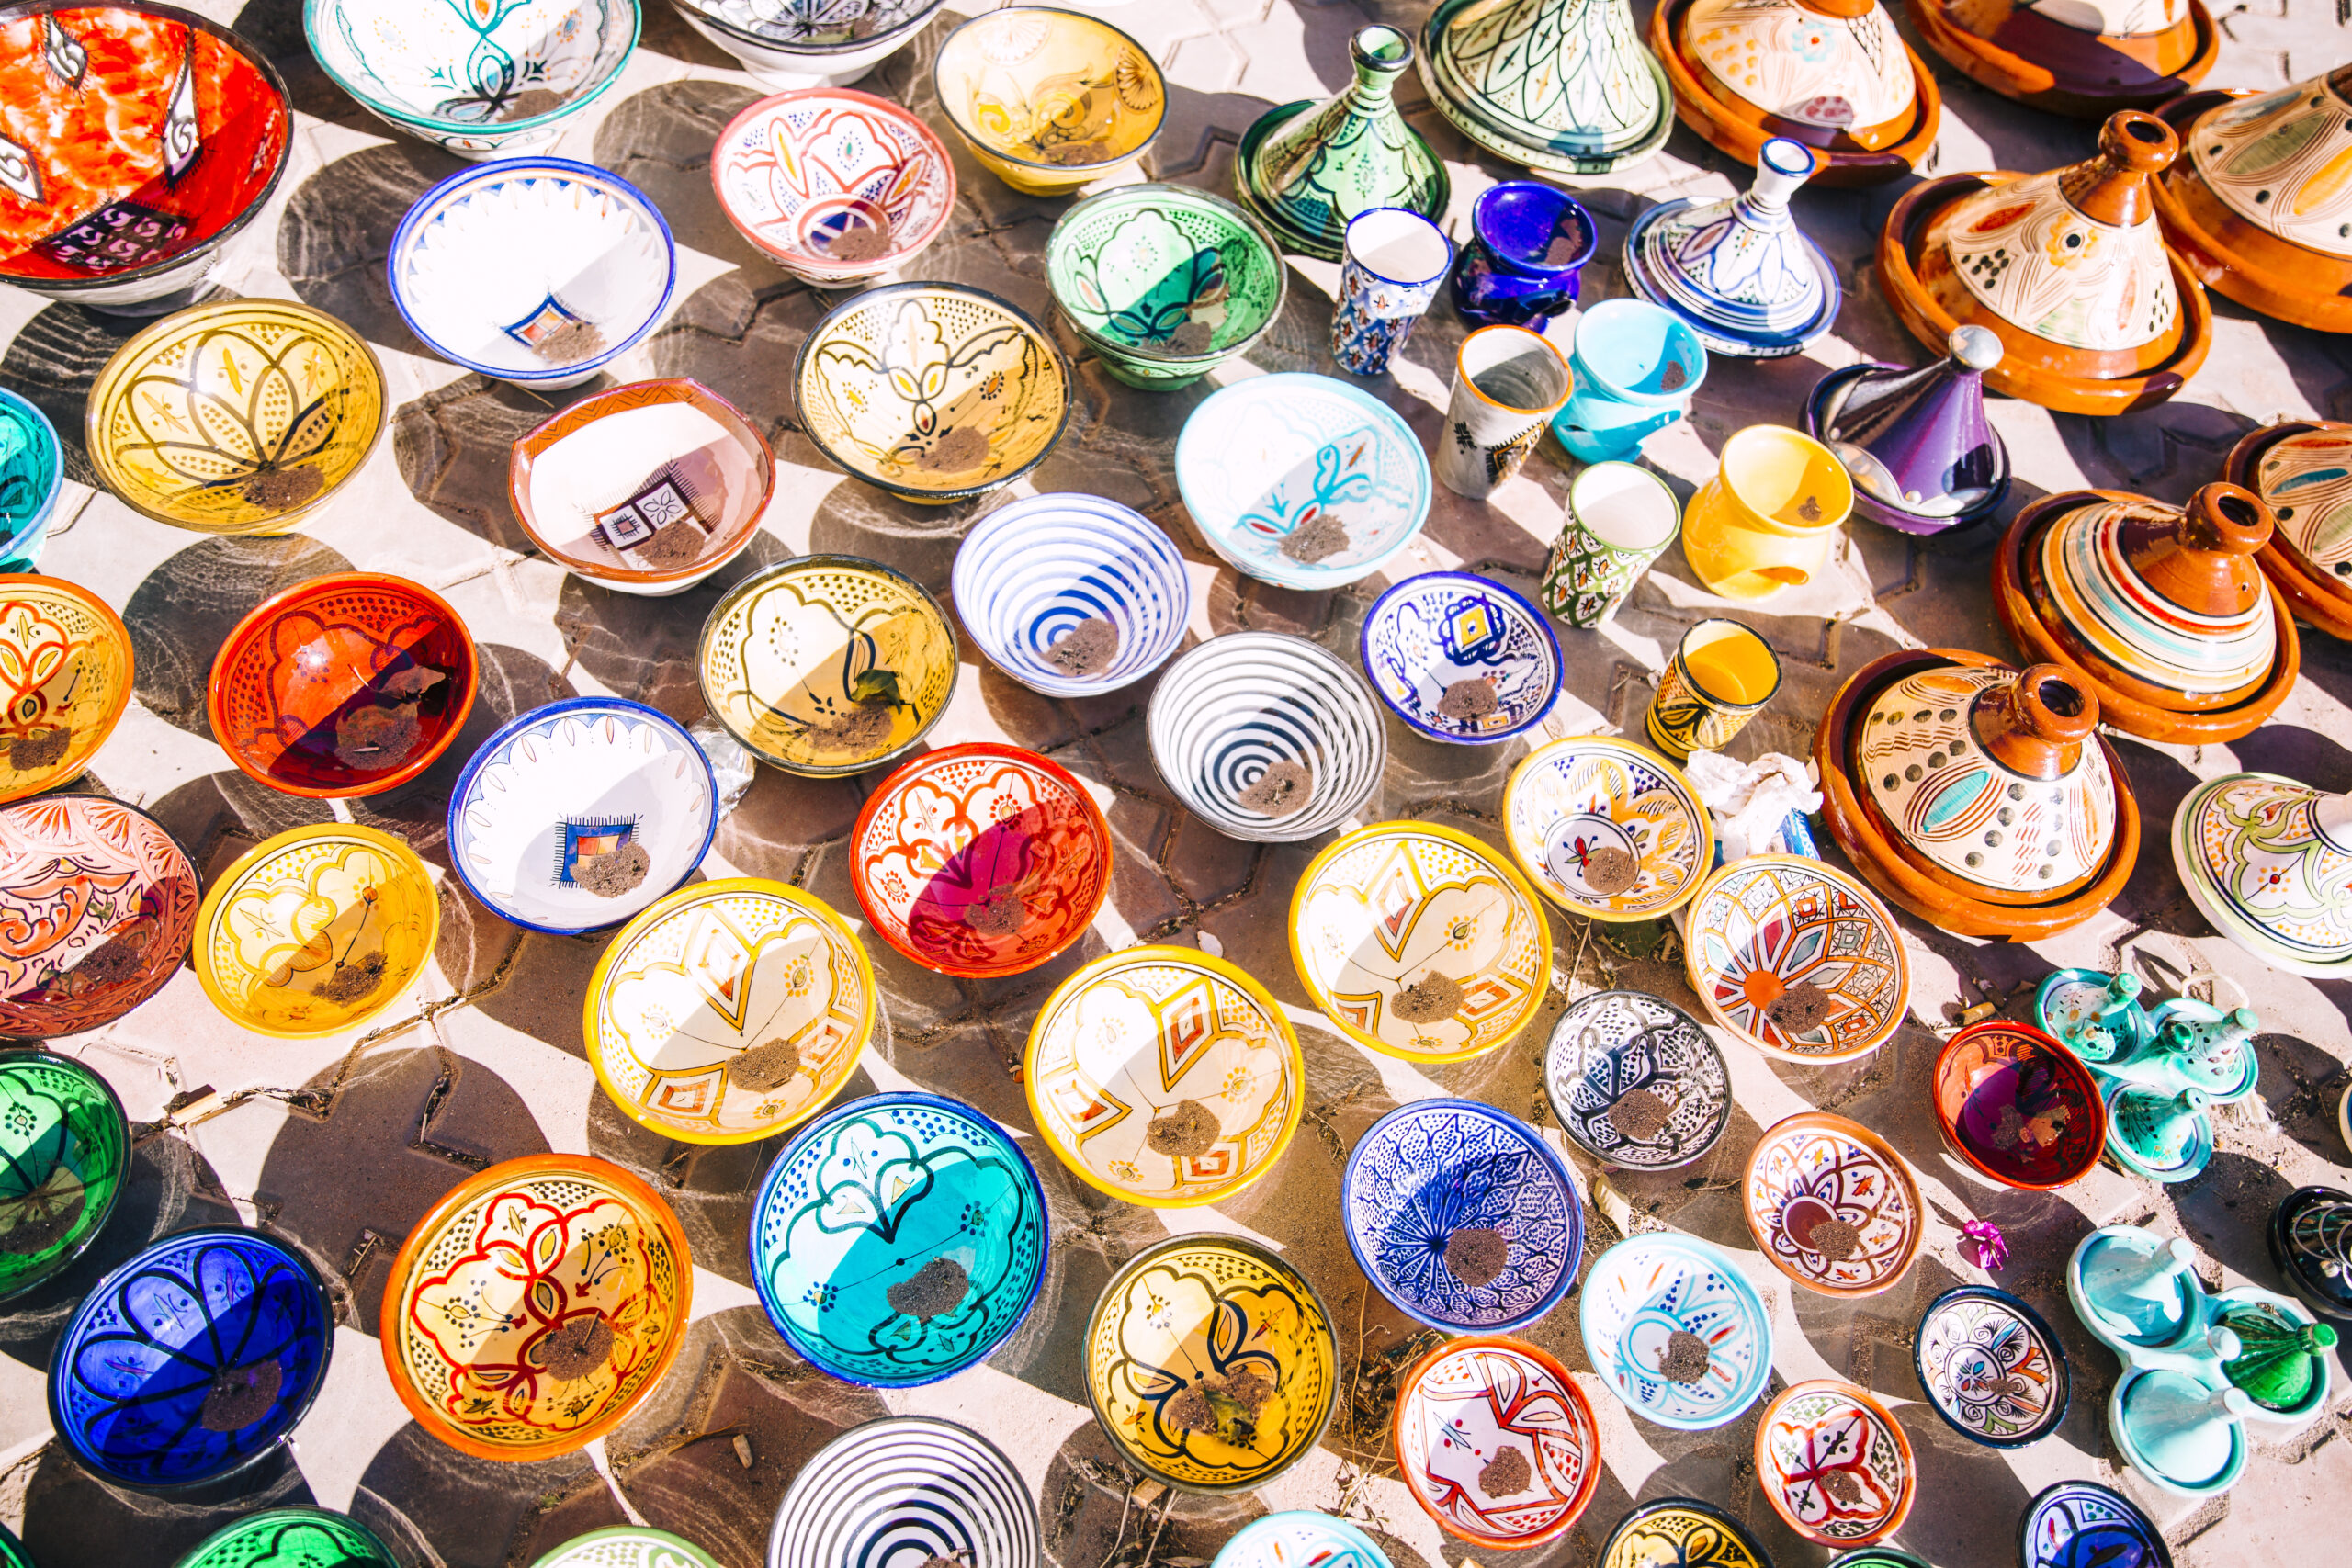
x=1740 y=270
x=2269 y=862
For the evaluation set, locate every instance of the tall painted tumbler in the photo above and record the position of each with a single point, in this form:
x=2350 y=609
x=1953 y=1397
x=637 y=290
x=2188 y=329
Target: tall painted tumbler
x=1389 y=271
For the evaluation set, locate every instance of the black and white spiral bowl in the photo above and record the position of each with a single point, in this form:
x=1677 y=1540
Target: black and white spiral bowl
x=1030 y=571
x=898 y=1492
x=1237 y=704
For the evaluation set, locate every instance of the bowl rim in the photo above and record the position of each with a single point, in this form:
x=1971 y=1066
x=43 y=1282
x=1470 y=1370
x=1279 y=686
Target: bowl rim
x=39 y=1055
x=26 y=409
x=805 y=1136
x=1568 y=1127
x=13 y=585
x=1062 y=174
x=704 y=13
x=313 y=9
x=1853 y=1131
x=1409 y=1383
x=1851 y=885
x=905 y=774
x=812 y=266
x=1485 y=585
x=1347 y=1535
x=976 y=1446
x=526 y=166
x=1738 y=1532
x=1158 y=196
x=229 y=1534
x=2068 y=1065
x=1868 y=1403
x=1627 y=749
x=2051 y=1344
x=1692 y=1251
x=689 y=1554
x=2042 y=1502
x=962 y=583
x=462 y=791
x=195 y=879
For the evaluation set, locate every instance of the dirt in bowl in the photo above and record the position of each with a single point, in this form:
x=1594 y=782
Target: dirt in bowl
x=1673 y=377
x=1835 y=1239
x=934 y=1290
x=1193 y=337
x=529 y=104
x=868 y=241
x=1478 y=1255
x=41 y=748
x=352 y=981
x=613 y=875
x=1842 y=1484
x=1802 y=1008
x=1086 y=649
x=283 y=490
x=1319 y=540
x=1810 y=509
x=377 y=737
x=1187 y=1131
x=1507 y=1474
x=764 y=1068
x=241 y=1396
x=45 y=1215
x=1685 y=1359
x=858 y=730
x=1640 y=1114
x=956 y=451
x=2041 y=1130
x=577 y=1347
x=1610 y=870
x=1071 y=153
x=999 y=912
x=674 y=546
x=1469 y=699
x=1279 y=791
x=1432 y=998
x=1225 y=1406
x=571 y=343
x=113 y=962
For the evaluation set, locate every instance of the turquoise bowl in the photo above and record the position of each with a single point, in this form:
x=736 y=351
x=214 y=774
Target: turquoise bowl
x=1163 y=282
x=32 y=471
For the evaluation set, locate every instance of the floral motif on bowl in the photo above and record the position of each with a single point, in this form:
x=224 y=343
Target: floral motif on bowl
x=626 y=1546
x=1428 y=635
x=1049 y=100
x=64 y=1152
x=903 y=1485
x=1991 y=1367
x=65 y=675
x=1164 y=282
x=1467 y=1405
x=2261 y=862
x=1675 y=1331
x=833 y=185
x=1834 y=1464
x=101 y=906
x=1610 y=1045
x=287 y=1538
x=2080 y=1524
x=1607 y=828
x=1797 y=958
x=1831 y=1205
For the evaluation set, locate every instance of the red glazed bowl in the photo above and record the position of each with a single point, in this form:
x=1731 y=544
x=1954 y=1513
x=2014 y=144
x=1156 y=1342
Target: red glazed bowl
x=981 y=860
x=343 y=685
x=2019 y=1106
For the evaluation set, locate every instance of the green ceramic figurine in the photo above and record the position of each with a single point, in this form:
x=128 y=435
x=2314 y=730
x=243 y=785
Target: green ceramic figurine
x=1305 y=170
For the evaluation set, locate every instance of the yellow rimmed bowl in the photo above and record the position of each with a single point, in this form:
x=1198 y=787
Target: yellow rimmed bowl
x=1049 y=100
x=65 y=675
x=1607 y=828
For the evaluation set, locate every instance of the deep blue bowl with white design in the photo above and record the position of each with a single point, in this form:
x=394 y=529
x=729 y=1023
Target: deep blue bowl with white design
x=1429 y=635
x=1028 y=573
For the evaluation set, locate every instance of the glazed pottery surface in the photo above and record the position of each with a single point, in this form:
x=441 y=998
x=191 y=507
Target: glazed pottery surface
x=687 y=1009
x=100 y=905
x=2021 y=1107
x=1619 y=519
x=1426 y=637
x=1029 y=573
x=1739 y=272
x=1432 y=1169
x=795 y=658
x=981 y=860
x=1391 y=263
x=2269 y=862
x=1836 y=76
x=1466 y=1404
x=65 y=677
x=805 y=43
x=1831 y=1205
x=899 y=1240
x=1834 y=1464
x=1635 y=366
x=244 y=416
x=905 y=1489
x=1722 y=674
x=1766 y=520
x=502 y=1294
x=2303 y=471
x=2075 y=1523
x=1646 y=1300
x=142 y=1362
x=316 y=930
x=1611 y=1045
x=2087 y=60
x=1529 y=243
x=1049 y=100
x=1298 y=1536
x=290 y=1538
x=1577 y=809
x=1560 y=86
x=1922 y=454
x=834 y=186
x=2163 y=1137
x=1797 y=958
x=1163 y=282
x=1684 y=1533
x=64 y=1158
x=2309 y=1237
x=1307 y=168
x=32 y=473
x=628 y=1546
x=345 y=685
x=1264 y=458
x=1991 y=1367
x=1165 y=1076
x=1506 y=382
x=535 y=270
x=2093 y=1014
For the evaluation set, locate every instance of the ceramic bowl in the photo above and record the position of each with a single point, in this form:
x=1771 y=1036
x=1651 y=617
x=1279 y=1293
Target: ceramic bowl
x=899 y=1240
x=316 y=930
x=1469 y=1409
x=1164 y=283
x=64 y=1153
x=559 y=787
x=796 y=660
x=1431 y=637
x=980 y=861
x=1186 y=1339
x=345 y=685
x=1645 y=1300
x=833 y=185
x=99 y=905
x=1831 y=1205
x=1834 y=1464
x=1611 y=1045
x=931 y=391
x=1298 y=1536
x=192 y=1361
x=1049 y=100
x=1991 y=1367
x=807 y=43
x=290 y=1538
x=535 y=270
x=141 y=183
x=2020 y=1108
x=1264 y=459
x=1607 y=828
x=500 y=1300
x=479 y=81
x=65 y=675
x=32 y=472
x=1165 y=1076
x=1681 y=1530
x=1030 y=572
x=1797 y=958
x=1419 y=941
x=1434 y=1169
x=600 y=484
x=2076 y=1523
x=1238 y=706
x=729 y=1012
x=907 y=1488
x=626 y=1546
x=244 y=416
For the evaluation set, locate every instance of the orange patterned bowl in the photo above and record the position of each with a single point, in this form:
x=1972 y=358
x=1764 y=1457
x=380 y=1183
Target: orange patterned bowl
x=1832 y=1205
x=536 y=1305
x=64 y=678
x=98 y=905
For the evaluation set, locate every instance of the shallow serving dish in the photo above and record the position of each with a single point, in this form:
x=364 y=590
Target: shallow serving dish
x=1991 y=1367
x=1635 y=1081
x=833 y=185
x=66 y=676
x=1049 y=100
x=1675 y=1330
x=1461 y=1408
x=1165 y=283
x=99 y=904
x=1431 y=642
x=1031 y=572
x=1796 y=958
x=1607 y=828
x=807 y=43
x=1832 y=1205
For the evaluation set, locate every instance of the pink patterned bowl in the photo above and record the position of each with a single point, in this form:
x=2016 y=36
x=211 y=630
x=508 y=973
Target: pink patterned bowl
x=835 y=186
x=99 y=905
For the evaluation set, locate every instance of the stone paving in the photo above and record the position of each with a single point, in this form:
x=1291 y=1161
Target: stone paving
x=341 y=1145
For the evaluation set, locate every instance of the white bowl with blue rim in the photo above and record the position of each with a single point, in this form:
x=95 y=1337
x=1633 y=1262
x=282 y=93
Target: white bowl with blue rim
x=808 y=43
x=538 y=271
x=479 y=80
x=1297 y=1538
x=561 y=786
x=1675 y=1330
x=1262 y=459
x=1430 y=633
x=1029 y=572
x=32 y=472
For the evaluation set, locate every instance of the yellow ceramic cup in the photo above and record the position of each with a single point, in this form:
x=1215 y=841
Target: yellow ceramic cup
x=1721 y=674
x=1765 y=521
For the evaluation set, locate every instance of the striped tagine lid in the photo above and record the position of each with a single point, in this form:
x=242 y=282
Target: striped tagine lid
x=907 y=1489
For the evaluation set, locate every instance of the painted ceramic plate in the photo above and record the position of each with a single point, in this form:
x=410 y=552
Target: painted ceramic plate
x=1497 y=1442
x=833 y=184
x=1834 y=1464
x=2021 y=1107
x=1681 y=1532
x=628 y=1546
x=64 y=1149
x=1607 y=828
x=2254 y=864
x=2080 y=1524
x=1426 y=641
x=1675 y=1331
x=1165 y=1076
x=1797 y=958
x=1211 y=1364
x=65 y=667
x=1831 y=1205
x=1300 y=1537
x=907 y=1489
x=98 y=907
x=729 y=1012
x=535 y=1306
x=1992 y=1368
x=1419 y=941
x=1614 y=1044
x=292 y=1537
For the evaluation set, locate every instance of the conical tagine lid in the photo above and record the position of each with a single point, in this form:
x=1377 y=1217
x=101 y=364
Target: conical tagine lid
x=1918 y=440
x=2306 y=481
x=1305 y=170
x=2269 y=862
x=2283 y=161
x=1740 y=270
x=1837 y=64
x=1559 y=80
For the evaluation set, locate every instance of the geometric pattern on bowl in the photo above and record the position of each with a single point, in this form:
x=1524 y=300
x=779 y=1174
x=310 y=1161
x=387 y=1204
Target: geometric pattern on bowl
x=1834 y=1464
x=1434 y=633
x=2021 y=1107
x=833 y=185
x=1573 y=799
x=66 y=678
x=1296 y=1537
x=1674 y=1531
x=899 y=1240
x=98 y=905
x=1164 y=282
x=1831 y=1205
x=1610 y=1045
x=1466 y=1411
x=981 y=860
x=1047 y=99
x=1029 y=572
x=64 y=1153
x=622 y=1546
x=2079 y=1524
x=290 y=1538
x=1991 y=1367
x=1675 y=1331
x=1797 y=958
x=1434 y=1169
x=904 y=1489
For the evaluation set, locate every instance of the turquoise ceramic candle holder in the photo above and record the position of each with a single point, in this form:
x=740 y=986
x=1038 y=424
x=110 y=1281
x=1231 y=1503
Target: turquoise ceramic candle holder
x=1636 y=366
x=1164 y=283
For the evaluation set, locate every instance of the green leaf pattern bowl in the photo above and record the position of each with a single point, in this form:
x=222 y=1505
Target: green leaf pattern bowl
x=1164 y=283
x=64 y=1148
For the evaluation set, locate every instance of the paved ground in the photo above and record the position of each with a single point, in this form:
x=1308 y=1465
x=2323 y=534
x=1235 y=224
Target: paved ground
x=341 y=1146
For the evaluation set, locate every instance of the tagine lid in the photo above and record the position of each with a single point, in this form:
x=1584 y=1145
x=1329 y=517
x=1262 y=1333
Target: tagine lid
x=2269 y=861
x=1836 y=65
x=2303 y=470
x=1558 y=85
x=1917 y=442
x=2283 y=161
x=1740 y=270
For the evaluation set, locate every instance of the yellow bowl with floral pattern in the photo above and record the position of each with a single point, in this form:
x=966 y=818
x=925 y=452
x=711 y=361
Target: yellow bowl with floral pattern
x=1607 y=828
x=316 y=930
x=241 y=417
x=1049 y=100
x=65 y=667
x=535 y=1306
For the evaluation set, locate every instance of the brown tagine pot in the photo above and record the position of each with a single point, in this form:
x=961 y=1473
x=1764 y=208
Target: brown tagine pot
x=2303 y=471
x=2089 y=69
x=2068 y=269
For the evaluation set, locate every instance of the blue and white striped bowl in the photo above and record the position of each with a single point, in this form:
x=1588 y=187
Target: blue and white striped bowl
x=1028 y=572
x=905 y=1489
x=1432 y=630
x=1239 y=704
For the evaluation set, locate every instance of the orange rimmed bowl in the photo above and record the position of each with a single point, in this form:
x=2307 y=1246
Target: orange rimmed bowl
x=65 y=673
x=1832 y=1205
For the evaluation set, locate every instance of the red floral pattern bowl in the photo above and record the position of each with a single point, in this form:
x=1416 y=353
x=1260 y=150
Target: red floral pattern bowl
x=99 y=906
x=835 y=186
x=1834 y=1464
x=1831 y=1205
x=2019 y=1106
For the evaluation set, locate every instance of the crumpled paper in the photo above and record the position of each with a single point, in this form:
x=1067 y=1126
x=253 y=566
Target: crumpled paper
x=1752 y=801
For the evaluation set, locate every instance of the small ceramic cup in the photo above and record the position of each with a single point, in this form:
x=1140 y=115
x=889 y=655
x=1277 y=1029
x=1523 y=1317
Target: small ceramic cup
x=1506 y=382
x=1722 y=674
x=1528 y=241
x=1635 y=366
x=1620 y=518
x=1394 y=260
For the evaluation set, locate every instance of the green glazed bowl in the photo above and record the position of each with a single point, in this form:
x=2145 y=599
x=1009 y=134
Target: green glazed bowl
x=1163 y=282
x=64 y=1150
x=292 y=1537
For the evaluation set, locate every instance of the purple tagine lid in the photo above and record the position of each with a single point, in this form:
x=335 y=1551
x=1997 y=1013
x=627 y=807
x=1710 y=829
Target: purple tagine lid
x=1923 y=455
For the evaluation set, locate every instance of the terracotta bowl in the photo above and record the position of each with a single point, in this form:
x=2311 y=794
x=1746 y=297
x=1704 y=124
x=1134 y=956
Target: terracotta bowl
x=791 y=43
x=1574 y=808
x=1832 y=1205
x=65 y=674
x=1835 y=1465
x=64 y=1158
x=2314 y=590
x=1678 y=1530
x=2019 y=1106
x=729 y=1012
x=981 y=860
x=1465 y=1409
x=32 y=474
x=1797 y=958
x=898 y=1485
x=287 y=1538
x=1031 y=572
x=833 y=185
x=100 y=905
x=1164 y=283
x=316 y=930
x=1049 y=100
x=246 y=416
x=1428 y=635
x=345 y=685
x=535 y=1306
x=1991 y=1367
x=1645 y=1299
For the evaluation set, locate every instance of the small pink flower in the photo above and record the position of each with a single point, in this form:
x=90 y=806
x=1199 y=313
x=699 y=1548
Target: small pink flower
x=1984 y=1237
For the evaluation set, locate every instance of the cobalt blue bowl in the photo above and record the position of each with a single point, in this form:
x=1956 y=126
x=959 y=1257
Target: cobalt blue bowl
x=1529 y=243
x=1430 y=633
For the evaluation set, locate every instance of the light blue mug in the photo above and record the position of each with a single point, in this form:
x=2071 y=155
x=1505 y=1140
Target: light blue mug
x=1637 y=366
